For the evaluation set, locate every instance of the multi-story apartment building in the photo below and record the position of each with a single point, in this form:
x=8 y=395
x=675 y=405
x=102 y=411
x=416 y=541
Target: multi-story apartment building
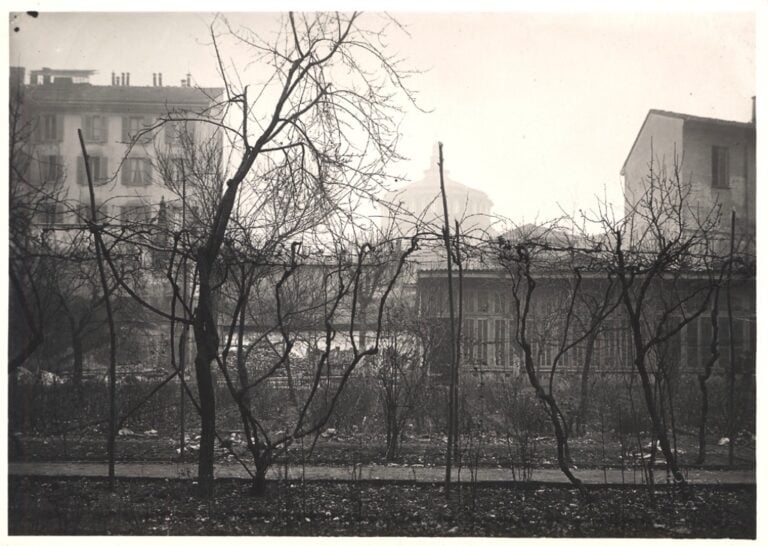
x=117 y=124
x=136 y=158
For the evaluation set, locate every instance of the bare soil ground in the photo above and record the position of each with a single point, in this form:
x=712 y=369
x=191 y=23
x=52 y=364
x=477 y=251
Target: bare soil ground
x=588 y=451
x=86 y=506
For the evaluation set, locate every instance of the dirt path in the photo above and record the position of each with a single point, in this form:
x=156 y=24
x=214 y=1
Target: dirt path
x=369 y=472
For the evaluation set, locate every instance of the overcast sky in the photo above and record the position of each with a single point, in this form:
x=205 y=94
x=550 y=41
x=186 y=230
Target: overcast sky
x=538 y=110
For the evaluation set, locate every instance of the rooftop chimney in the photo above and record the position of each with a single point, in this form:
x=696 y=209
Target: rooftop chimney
x=154 y=79
x=160 y=79
x=113 y=78
x=189 y=79
x=127 y=78
x=754 y=116
x=122 y=78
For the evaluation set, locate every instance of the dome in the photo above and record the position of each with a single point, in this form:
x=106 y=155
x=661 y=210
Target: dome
x=422 y=200
x=430 y=183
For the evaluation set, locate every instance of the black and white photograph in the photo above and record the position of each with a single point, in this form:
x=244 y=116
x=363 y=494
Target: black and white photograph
x=487 y=271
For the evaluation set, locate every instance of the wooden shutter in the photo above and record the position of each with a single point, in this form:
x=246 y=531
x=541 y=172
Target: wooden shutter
x=170 y=132
x=125 y=170
x=86 y=127
x=104 y=128
x=59 y=167
x=39 y=129
x=724 y=168
x=146 y=171
x=126 y=124
x=105 y=174
x=81 y=176
x=59 y=128
x=147 y=122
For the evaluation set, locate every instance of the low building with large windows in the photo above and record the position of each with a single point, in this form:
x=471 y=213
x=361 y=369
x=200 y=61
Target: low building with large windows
x=715 y=161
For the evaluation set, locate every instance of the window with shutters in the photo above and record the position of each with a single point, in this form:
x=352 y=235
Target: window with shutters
x=135 y=213
x=51 y=168
x=83 y=213
x=94 y=128
x=500 y=342
x=49 y=128
x=99 y=170
x=135 y=125
x=482 y=301
x=498 y=303
x=136 y=172
x=482 y=340
x=469 y=338
x=724 y=338
x=469 y=300
x=513 y=354
x=720 y=167
x=48 y=213
x=135 y=128
x=178 y=132
x=173 y=171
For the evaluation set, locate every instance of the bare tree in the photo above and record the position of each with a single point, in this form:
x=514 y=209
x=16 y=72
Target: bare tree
x=34 y=188
x=402 y=370
x=659 y=253
x=542 y=255
x=316 y=135
x=284 y=320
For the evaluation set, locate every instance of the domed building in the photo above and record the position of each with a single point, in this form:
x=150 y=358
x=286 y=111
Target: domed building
x=419 y=205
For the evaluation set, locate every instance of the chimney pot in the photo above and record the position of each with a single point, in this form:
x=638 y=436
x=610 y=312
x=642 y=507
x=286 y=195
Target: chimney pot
x=122 y=78
x=154 y=79
x=128 y=78
x=160 y=79
x=754 y=114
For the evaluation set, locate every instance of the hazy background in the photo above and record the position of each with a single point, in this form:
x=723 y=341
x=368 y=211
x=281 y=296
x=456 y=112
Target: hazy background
x=539 y=110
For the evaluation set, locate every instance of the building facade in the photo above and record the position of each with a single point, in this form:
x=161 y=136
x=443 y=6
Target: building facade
x=716 y=159
x=124 y=138
x=489 y=326
x=716 y=162
x=136 y=138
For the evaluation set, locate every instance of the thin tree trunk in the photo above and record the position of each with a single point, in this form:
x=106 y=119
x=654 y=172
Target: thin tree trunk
x=259 y=483
x=242 y=369
x=77 y=365
x=584 y=398
x=452 y=387
x=553 y=411
x=659 y=430
x=457 y=353
x=207 y=343
x=731 y=351
x=99 y=243
x=704 y=377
